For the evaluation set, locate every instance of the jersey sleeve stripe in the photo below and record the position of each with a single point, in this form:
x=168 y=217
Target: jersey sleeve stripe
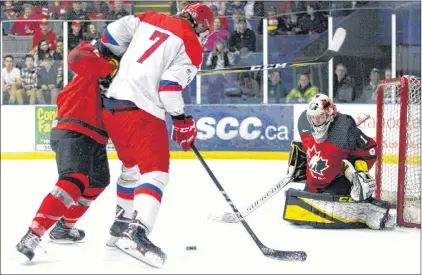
x=169 y=86
x=170 y=89
x=168 y=83
x=108 y=38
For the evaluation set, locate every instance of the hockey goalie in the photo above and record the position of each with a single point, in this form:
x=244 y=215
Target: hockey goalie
x=334 y=157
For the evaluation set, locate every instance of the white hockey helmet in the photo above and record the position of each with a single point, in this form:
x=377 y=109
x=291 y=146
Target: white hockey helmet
x=321 y=112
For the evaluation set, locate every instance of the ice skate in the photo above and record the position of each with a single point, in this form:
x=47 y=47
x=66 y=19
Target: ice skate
x=136 y=243
x=119 y=225
x=62 y=234
x=28 y=244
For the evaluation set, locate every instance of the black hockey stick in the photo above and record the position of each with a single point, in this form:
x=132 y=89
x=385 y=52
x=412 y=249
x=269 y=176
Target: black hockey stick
x=268 y=252
x=333 y=48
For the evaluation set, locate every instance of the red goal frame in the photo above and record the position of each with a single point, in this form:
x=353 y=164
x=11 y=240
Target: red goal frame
x=404 y=100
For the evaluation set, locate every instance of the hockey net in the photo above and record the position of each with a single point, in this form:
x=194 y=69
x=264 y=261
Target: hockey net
x=398 y=173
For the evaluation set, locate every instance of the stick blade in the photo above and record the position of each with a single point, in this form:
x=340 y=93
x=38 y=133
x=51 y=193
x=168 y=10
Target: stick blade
x=291 y=256
x=224 y=218
x=338 y=39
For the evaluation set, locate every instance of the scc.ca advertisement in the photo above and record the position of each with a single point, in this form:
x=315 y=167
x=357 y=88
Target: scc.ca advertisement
x=220 y=127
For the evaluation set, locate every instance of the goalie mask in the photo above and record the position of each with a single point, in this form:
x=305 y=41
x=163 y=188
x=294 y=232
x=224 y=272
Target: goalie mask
x=202 y=19
x=321 y=112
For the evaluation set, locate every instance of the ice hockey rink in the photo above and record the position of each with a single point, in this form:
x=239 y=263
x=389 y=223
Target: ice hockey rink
x=189 y=198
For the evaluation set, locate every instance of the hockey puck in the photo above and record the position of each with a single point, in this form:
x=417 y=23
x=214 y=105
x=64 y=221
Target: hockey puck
x=190 y=247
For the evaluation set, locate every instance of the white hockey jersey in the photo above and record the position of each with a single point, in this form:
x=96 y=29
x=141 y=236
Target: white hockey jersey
x=161 y=55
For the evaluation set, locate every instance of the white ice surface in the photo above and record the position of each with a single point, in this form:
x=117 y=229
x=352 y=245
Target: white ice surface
x=187 y=201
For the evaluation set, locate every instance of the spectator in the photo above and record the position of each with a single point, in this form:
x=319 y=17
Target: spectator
x=249 y=88
x=237 y=15
x=276 y=24
x=304 y=91
x=369 y=92
x=92 y=33
x=277 y=92
x=7 y=13
x=298 y=7
x=11 y=82
x=232 y=6
x=44 y=33
x=343 y=86
x=117 y=12
x=222 y=18
x=242 y=37
x=388 y=74
x=30 y=79
x=24 y=26
x=218 y=34
x=58 y=53
x=313 y=22
x=97 y=9
x=220 y=7
x=76 y=13
x=41 y=51
x=293 y=25
x=58 y=9
x=220 y=57
x=48 y=81
x=245 y=58
x=75 y=37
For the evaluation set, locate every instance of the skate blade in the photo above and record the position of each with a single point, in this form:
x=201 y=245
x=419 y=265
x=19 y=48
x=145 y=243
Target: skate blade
x=55 y=241
x=112 y=241
x=129 y=247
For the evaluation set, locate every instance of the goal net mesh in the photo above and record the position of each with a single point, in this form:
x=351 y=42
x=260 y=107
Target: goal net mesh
x=409 y=185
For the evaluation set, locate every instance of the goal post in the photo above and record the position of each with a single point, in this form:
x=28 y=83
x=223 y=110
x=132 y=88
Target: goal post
x=398 y=134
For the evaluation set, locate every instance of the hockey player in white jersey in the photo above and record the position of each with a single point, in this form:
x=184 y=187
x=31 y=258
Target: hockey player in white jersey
x=161 y=55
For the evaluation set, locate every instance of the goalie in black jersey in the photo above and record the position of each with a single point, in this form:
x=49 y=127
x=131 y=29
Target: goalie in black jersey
x=334 y=157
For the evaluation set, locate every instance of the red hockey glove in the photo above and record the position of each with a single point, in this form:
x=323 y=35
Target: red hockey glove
x=184 y=132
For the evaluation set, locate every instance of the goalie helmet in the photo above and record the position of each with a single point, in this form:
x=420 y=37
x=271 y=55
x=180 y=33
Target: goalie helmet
x=202 y=18
x=321 y=113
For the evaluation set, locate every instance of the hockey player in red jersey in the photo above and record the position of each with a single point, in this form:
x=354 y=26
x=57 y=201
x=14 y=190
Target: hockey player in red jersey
x=162 y=55
x=334 y=157
x=79 y=140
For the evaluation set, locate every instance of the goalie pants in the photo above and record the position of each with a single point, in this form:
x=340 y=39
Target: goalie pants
x=339 y=186
x=140 y=139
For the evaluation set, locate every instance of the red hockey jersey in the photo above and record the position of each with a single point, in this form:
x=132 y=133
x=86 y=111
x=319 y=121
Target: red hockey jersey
x=325 y=160
x=79 y=103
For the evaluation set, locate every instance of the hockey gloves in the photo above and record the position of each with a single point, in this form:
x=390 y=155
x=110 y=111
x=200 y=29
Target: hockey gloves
x=105 y=82
x=184 y=132
x=363 y=185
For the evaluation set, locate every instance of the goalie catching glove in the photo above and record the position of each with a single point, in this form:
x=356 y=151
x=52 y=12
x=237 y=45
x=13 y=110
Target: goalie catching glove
x=297 y=161
x=363 y=185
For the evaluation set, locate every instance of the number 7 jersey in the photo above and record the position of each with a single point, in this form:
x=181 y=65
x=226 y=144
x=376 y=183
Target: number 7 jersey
x=161 y=56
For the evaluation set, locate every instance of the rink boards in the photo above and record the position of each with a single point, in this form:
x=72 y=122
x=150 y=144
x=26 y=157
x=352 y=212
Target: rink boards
x=224 y=131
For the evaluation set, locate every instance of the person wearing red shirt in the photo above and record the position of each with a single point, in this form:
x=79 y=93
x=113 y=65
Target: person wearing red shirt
x=24 y=26
x=44 y=33
x=79 y=140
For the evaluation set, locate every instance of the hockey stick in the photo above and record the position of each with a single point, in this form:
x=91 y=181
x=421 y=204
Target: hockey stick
x=333 y=48
x=232 y=218
x=268 y=252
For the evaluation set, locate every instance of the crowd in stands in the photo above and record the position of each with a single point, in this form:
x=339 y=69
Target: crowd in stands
x=38 y=77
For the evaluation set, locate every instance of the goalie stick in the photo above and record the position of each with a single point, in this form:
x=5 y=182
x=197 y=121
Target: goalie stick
x=268 y=252
x=333 y=48
x=232 y=218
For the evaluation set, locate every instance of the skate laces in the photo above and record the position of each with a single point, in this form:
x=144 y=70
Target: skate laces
x=31 y=240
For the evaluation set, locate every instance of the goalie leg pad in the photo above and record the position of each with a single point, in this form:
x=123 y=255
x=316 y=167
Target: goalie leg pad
x=334 y=212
